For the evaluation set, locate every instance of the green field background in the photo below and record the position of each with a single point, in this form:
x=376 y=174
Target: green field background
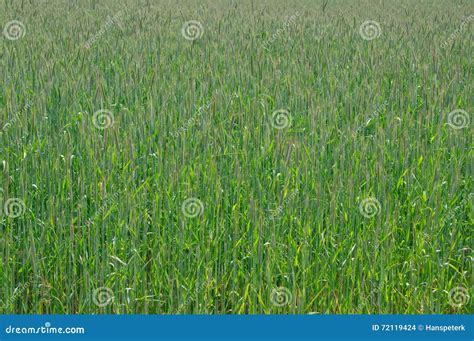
x=281 y=228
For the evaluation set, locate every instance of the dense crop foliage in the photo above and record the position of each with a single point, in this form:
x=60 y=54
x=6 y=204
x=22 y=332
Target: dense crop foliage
x=236 y=156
